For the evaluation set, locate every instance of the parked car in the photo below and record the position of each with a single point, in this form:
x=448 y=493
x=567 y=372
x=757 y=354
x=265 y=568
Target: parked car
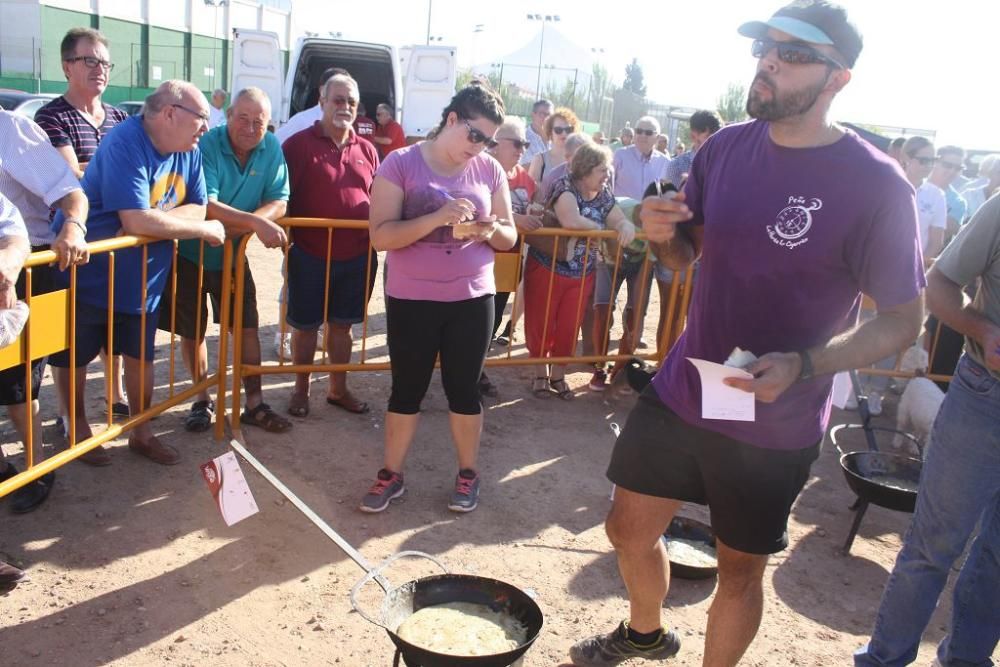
x=22 y=103
x=131 y=108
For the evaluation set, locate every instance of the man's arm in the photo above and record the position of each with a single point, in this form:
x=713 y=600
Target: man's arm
x=260 y=222
x=891 y=330
x=161 y=225
x=947 y=302
x=935 y=242
x=14 y=250
x=70 y=244
x=69 y=155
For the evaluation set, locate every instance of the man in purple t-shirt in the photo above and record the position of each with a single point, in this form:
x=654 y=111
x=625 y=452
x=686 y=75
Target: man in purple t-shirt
x=794 y=218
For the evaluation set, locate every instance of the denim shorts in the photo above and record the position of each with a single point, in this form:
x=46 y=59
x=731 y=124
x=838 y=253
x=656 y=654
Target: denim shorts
x=91 y=335
x=307 y=288
x=629 y=273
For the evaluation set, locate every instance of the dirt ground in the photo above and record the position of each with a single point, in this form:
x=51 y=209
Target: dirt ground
x=133 y=565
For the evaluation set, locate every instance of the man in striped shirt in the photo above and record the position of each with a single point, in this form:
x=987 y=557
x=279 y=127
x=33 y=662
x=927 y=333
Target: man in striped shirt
x=76 y=123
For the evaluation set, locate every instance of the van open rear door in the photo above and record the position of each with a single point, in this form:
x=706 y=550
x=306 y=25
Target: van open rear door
x=257 y=61
x=429 y=86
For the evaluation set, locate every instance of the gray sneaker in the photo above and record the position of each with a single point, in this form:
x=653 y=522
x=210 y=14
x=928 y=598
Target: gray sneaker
x=615 y=648
x=465 y=497
x=387 y=487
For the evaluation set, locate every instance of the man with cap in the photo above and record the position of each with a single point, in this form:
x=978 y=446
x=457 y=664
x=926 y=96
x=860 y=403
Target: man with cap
x=787 y=247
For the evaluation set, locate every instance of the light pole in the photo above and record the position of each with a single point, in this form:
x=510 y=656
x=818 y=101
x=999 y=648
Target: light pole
x=430 y=7
x=546 y=18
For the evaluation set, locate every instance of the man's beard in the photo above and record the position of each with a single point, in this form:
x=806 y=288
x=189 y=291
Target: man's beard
x=781 y=106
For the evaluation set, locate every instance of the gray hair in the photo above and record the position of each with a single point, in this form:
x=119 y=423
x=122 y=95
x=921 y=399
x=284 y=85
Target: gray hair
x=514 y=124
x=575 y=140
x=169 y=92
x=219 y=91
x=254 y=94
x=340 y=79
x=650 y=120
x=989 y=165
x=384 y=107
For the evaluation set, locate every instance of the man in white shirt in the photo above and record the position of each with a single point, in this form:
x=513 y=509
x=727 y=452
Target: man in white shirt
x=33 y=177
x=216 y=113
x=308 y=117
x=535 y=133
x=640 y=164
x=933 y=218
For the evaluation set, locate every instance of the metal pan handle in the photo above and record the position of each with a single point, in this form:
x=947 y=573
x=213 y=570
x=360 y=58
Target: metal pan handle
x=376 y=574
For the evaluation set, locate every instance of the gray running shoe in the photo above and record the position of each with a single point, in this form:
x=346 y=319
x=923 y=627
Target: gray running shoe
x=465 y=497
x=615 y=648
x=387 y=487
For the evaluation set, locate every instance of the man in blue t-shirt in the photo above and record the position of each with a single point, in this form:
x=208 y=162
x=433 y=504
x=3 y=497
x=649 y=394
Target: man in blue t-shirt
x=788 y=244
x=247 y=183
x=146 y=180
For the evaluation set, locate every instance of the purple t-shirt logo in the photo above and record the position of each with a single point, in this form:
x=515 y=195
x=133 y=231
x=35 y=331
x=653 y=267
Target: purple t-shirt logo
x=793 y=222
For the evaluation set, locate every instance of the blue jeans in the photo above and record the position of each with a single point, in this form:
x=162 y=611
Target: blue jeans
x=960 y=485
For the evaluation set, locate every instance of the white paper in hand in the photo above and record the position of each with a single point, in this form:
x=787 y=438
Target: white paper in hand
x=719 y=401
x=842 y=388
x=229 y=488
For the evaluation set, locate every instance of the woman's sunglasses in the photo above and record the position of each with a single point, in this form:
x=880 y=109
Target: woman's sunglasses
x=562 y=129
x=477 y=137
x=793 y=53
x=648 y=133
x=924 y=161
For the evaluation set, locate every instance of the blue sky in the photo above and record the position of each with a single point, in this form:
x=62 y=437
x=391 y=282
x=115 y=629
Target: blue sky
x=925 y=65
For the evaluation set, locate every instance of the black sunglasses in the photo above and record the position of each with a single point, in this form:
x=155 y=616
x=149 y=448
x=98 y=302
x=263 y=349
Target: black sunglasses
x=92 y=62
x=520 y=145
x=477 y=137
x=793 y=53
x=953 y=166
x=648 y=133
x=924 y=161
x=562 y=129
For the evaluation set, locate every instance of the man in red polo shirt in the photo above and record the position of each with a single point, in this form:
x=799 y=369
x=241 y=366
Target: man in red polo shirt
x=389 y=134
x=363 y=125
x=330 y=172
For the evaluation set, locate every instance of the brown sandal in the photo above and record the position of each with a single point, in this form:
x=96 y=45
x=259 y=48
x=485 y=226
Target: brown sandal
x=298 y=405
x=561 y=389
x=264 y=417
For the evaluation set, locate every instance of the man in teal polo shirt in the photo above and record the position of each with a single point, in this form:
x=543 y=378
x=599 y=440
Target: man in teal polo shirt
x=247 y=183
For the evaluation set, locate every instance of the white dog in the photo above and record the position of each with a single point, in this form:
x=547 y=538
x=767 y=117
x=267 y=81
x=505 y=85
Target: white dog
x=920 y=402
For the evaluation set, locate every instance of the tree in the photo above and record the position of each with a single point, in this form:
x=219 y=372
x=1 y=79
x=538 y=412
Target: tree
x=634 y=80
x=732 y=104
x=601 y=86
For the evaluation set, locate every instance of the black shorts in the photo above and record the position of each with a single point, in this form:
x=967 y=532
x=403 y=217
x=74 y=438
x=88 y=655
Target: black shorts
x=187 y=316
x=749 y=490
x=92 y=335
x=348 y=286
x=13 y=385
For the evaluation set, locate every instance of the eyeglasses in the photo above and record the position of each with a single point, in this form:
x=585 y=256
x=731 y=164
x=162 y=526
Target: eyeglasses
x=924 y=161
x=202 y=117
x=562 y=129
x=343 y=101
x=792 y=53
x=92 y=62
x=953 y=166
x=648 y=133
x=477 y=137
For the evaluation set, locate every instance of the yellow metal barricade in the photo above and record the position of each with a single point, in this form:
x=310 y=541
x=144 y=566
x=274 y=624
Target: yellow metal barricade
x=507 y=271
x=51 y=328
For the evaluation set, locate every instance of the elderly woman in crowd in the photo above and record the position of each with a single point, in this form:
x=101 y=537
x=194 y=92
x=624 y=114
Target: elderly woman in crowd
x=978 y=191
x=509 y=145
x=389 y=135
x=581 y=201
x=441 y=208
x=562 y=123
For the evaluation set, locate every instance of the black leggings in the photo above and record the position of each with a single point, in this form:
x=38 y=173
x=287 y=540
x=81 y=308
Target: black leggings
x=499 y=305
x=419 y=330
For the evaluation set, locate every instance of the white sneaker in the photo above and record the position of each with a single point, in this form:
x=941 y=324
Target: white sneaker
x=875 y=404
x=283 y=345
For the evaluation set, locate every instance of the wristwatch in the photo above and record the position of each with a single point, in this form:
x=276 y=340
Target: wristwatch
x=74 y=221
x=806 y=370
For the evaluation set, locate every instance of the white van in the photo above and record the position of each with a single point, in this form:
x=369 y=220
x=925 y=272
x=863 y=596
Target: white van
x=418 y=95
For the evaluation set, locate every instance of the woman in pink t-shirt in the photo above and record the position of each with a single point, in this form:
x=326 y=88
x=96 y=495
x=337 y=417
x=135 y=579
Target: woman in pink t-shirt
x=439 y=280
